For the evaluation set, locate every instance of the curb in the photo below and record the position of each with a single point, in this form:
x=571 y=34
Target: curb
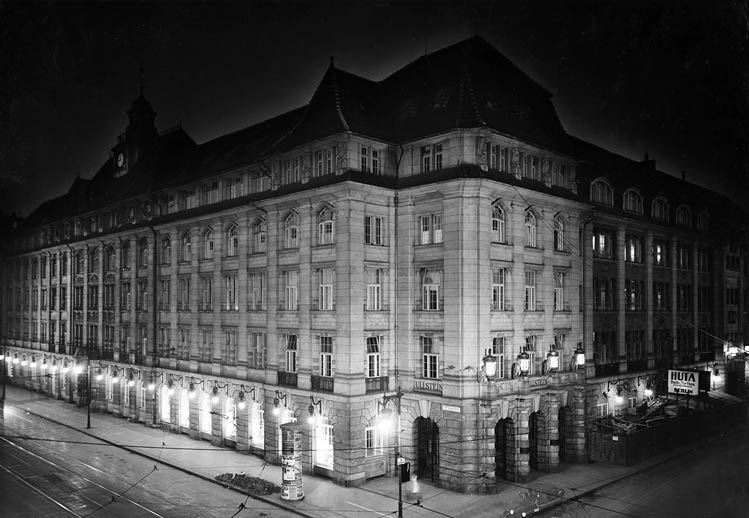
x=168 y=464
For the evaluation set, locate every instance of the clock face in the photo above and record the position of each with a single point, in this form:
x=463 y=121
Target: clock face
x=120 y=159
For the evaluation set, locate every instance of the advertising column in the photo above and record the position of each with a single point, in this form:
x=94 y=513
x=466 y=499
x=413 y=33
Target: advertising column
x=292 y=486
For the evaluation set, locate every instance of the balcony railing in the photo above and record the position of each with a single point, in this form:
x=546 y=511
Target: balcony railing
x=287 y=379
x=322 y=383
x=376 y=384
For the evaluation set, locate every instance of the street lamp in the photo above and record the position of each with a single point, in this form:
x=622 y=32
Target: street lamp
x=524 y=362
x=385 y=425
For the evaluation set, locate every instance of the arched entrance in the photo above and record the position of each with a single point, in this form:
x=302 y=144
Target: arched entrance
x=533 y=441
x=503 y=434
x=563 y=417
x=428 y=442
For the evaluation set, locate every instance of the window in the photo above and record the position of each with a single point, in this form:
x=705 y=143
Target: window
x=326 y=355
x=633 y=292
x=601 y=192
x=142 y=252
x=256 y=291
x=125 y=296
x=431 y=158
x=429 y=358
x=93 y=298
x=603 y=293
x=683 y=258
x=559 y=234
x=499 y=276
x=683 y=215
x=704 y=298
x=661 y=296
x=230 y=289
x=560 y=300
x=230 y=346
x=373 y=441
x=603 y=244
x=78 y=257
x=703 y=221
x=256 y=350
x=431 y=280
x=430 y=229
x=530 y=348
x=704 y=260
x=207 y=249
x=291 y=352
x=497 y=349
x=530 y=229
x=326 y=282
x=290 y=278
x=633 y=250
x=232 y=241
x=325 y=227
x=633 y=202
x=498 y=224
x=318 y=166
x=93 y=261
x=206 y=293
x=183 y=292
x=373 y=230
x=684 y=297
x=163 y=294
x=210 y=193
x=63 y=298
x=530 y=290
x=660 y=253
x=364 y=158
x=259 y=237
x=373 y=357
x=205 y=346
x=291 y=231
x=53 y=265
x=659 y=209
x=186 y=247
x=233 y=187
x=374 y=289
x=109 y=259
x=63 y=264
x=142 y=302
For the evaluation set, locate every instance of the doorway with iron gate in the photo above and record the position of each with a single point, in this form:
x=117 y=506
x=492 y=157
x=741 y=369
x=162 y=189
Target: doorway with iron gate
x=504 y=444
x=427 y=441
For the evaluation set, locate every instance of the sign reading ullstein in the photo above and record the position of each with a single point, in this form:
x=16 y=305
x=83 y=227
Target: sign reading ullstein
x=683 y=382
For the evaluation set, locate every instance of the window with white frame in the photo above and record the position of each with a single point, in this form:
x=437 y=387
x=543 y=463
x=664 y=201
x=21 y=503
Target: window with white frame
x=373 y=441
x=602 y=409
x=431 y=281
x=186 y=247
x=559 y=234
x=325 y=227
x=374 y=277
x=633 y=201
x=373 y=230
x=683 y=215
x=290 y=278
x=429 y=358
x=499 y=278
x=498 y=224
x=319 y=163
x=256 y=291
x=497 y=350
x=207 y=245
x=331 y=156
x=326 y=293
x=530 y=290
x=291 y=352
x=291 y=231
x=560 y=282
x=231 y=302
x=232 y=241
x=259 y=237
x=530 y=230
x=603 y=243
x=659 y=209
x=326 y=355
x=601 y=192
x=206 y=293
x=430 y=229
x=256 y=349
x=431 y=158
x=373 y=357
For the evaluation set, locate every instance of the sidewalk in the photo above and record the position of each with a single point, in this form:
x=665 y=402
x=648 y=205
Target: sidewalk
x=323 y=498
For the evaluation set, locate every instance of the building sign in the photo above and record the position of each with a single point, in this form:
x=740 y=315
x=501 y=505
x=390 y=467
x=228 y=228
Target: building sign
x=451 y=408
x=538 y=382
x=683 y=382
x=432 y=387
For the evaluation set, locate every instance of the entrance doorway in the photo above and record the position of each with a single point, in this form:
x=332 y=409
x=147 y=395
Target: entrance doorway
x=503 y=432
x=428 y=441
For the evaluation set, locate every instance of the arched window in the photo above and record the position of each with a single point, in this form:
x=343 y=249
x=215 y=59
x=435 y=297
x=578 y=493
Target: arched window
x=232 y=241
x=559 y=234
x=186 y=247
x=530 y=229
x=659 y=209
x=325 y=226
x=109 y=259
x=259 y=237
x=683 y=215
x=601 y=192
x=166 y=250
x=208 y=244
x=291 y=231
x=498 y=224
x=633 y=201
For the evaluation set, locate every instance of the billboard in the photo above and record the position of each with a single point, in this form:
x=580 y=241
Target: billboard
x=683 y=382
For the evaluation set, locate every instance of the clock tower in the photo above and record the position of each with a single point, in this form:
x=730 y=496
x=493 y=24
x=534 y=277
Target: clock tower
x=138 y=138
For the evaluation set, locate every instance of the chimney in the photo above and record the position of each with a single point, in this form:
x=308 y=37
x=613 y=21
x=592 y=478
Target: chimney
x=648 y=163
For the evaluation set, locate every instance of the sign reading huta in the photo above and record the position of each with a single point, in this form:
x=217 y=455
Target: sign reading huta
x=683 y=382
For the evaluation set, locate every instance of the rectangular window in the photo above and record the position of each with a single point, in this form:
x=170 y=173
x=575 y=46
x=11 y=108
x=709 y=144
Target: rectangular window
x=603 y=244
x=633 y=251
x=142 y=302
x=206 y=293
x=326 y=356
x=661 y=296
x=499 y=276
x=429 y=358
x=430 y=229
x=183 y=304
x=364 y=158
x=497 y=350
x=431 y=281
x=683 y=258
x=374 y=290
x=256 y=350
x=633 y=294
x=604 y=293
x=318 y=169
x=230 y=288
x=326 y=296
x=163 y=294
x=205 y=346
x=373 y=439
x=660 y=253
x=290 y=290
x=560 y=300
x=256 y=291
x=373 y=230
x=93 y=298
x=291 y=352
x=530 y=290
x=373 y=357
x=230 y=347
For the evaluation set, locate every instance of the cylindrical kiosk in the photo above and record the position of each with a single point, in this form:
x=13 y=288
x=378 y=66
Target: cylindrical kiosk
x=292 y=486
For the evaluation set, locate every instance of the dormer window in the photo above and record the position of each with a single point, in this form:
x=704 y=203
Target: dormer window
x=601 y=192
x=633 y=202
x=659 y=209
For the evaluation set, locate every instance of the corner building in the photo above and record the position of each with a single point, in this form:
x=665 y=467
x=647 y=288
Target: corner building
x=393 y=238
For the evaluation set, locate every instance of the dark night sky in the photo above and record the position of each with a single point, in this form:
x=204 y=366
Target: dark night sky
x=666 y=78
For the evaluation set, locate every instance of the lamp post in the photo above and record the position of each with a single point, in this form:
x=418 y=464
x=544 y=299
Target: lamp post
x=5 y=369
x=86 y=387
x=396 y=399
